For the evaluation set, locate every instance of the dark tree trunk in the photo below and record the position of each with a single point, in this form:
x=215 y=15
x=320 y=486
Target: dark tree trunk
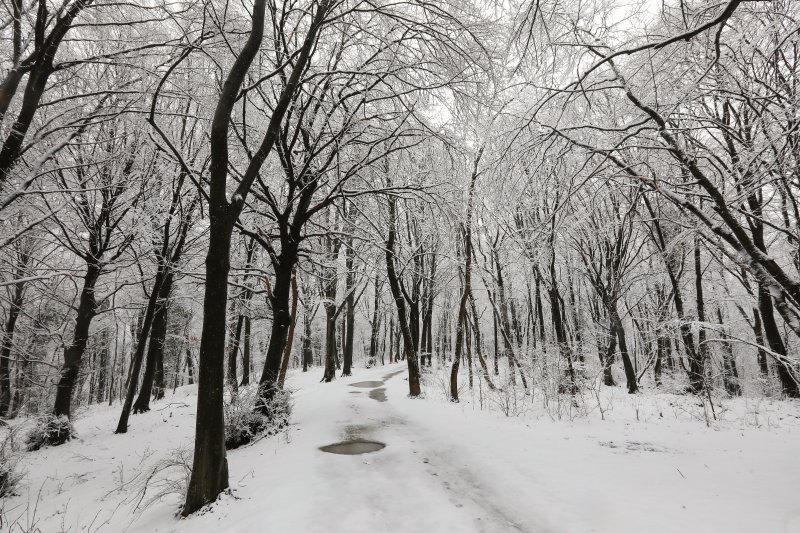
x=210 y=467
x=155 y=350
x=496 y=345
x=394 y=285
x=761 y=354
x=189 y=367
x=330 y=343
x=730 y=374
x=608 y=358
x=138 y=355
x=775 y=343
x=697 y=366
x=73 y=353
x=281 y=322
x=308 y=354
x=376 y=324
x=159 y=378
x=662 y=344
x=428 y=298
x=540 y=310
x=231 y=375
x=560 y=331
x=413 y=322
x=478 y=346
x=619 y=330
x=467 y=290
x=102 y=369
x=241 y=322
x=287 y=352
x=8 y=341
x=350 y=312
x=246 y=352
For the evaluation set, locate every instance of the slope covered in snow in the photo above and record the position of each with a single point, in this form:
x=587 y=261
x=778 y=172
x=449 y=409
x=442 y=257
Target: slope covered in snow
x=649 y=463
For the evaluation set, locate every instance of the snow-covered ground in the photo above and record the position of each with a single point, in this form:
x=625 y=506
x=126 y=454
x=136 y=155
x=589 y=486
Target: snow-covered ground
x=646 y=463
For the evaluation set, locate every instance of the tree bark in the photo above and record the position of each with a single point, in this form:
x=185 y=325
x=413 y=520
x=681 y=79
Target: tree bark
x=155 y=350
x=394 y=284
x=246 y=352
x=138 y=355
x=461 y=319
x=73 y=353
x=15 y=306
x=349 y=317
x=210 y=467
x=287 y=353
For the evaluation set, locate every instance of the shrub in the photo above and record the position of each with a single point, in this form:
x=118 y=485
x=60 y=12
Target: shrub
x=243 y=424
x=50 y=430
x=166 y=477
x=9 y=475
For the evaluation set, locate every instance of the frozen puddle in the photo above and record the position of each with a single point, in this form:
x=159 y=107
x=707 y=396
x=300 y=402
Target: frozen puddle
x=367 y=384
x=378 y=394
x=353 y=447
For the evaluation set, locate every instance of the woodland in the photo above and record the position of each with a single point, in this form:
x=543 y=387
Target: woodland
x=519 y=203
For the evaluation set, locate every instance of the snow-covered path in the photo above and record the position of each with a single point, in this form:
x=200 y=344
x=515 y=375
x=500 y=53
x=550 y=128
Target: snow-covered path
x=446 y=467
x=419 y=482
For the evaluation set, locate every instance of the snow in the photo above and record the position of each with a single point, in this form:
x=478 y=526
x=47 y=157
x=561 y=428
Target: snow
x=649 y=463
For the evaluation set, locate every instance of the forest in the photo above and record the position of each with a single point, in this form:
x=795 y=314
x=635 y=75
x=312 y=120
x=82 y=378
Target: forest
x=524 y=223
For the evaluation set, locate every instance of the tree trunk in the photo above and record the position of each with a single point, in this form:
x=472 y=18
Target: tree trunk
x=761 y=354
x=394 y=284
x=155 y=351
x=697 y=366
x=73 y=353
x=210 y=467
x=308 y=354
x=8 y=342
x=608 y=358
x=560 y=332
x=287 y=353
x=467 y=290
x=619 y=329
x=189 y=367
x=376 y=323
x=775 y=343
x=281 y=323
x=138 y=356
x=349 y=317
x=730 y=375
x=246 y=352
x=478 y=347
x=330 y=343
x=231 y=375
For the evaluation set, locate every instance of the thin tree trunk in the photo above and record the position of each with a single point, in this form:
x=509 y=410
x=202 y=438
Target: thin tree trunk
x=478 y=346
x=349 y=317
x=155 y=351
x=394 y=284
x=15 y=306
x=138 y=356
x=246 y=352
x=232 y=377
x=462 y=305
x=290 y=337
x=619 y=329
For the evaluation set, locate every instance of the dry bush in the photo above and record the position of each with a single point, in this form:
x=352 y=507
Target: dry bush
x=49 y=430
x=243 y=425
